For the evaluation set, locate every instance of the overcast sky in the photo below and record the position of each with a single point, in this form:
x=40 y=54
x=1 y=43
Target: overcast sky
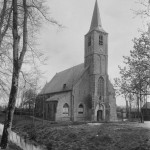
x=65 y=47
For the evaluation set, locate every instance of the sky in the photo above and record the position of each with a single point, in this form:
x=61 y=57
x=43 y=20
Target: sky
x=65 y=47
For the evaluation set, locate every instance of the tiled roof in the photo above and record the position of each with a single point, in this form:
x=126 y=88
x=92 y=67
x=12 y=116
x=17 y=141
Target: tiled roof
x=64 y=80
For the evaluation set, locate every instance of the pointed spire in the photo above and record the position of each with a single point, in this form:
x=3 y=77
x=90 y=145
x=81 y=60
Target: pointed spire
x=96 y=20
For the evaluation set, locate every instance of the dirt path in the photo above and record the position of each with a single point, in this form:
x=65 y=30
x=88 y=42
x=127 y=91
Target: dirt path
x=145 y=125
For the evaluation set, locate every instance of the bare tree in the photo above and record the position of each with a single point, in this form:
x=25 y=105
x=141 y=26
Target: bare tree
x=26 y=15
x=5 y=18
x=17 y=63
x=29 y=99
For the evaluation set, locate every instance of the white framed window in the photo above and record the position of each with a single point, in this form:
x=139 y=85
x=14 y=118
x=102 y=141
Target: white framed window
x=66 y=109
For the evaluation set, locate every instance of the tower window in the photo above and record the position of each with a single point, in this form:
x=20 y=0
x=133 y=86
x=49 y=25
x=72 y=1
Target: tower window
x=100 y=88
x=100 y=40
x=89 y=41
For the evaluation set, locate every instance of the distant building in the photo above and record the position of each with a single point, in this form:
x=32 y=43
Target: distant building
x=82 y=92
x=146 y=111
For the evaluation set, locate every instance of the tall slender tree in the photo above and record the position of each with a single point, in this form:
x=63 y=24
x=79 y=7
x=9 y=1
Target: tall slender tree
x=17 y=63
x=26 y=15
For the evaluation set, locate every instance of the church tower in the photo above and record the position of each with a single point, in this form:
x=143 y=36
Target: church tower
x=96 y=58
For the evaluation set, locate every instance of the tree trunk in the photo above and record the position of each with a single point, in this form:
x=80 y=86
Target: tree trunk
x=15 y=77
x=127 y=109
x=29 y=107
x=138 y=109
x=141 y=114
x=130 y=107
x=10 y=111
x=17 y=63
x=43 y=111
x=2 y=15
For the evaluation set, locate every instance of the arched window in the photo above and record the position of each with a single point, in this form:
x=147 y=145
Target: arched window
x=100 y=40
x=66 y=109
x=100 y=88
x=80 y=109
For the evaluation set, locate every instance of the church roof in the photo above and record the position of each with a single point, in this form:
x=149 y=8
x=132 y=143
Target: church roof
x=96 y=19
x=64 y=80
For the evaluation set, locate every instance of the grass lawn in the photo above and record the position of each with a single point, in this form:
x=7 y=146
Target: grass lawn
x=81 y=136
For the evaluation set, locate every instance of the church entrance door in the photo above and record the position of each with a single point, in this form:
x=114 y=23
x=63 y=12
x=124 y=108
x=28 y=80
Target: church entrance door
x=99 y=115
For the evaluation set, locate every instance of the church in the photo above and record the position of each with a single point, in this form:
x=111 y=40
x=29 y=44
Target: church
x=83 y=92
